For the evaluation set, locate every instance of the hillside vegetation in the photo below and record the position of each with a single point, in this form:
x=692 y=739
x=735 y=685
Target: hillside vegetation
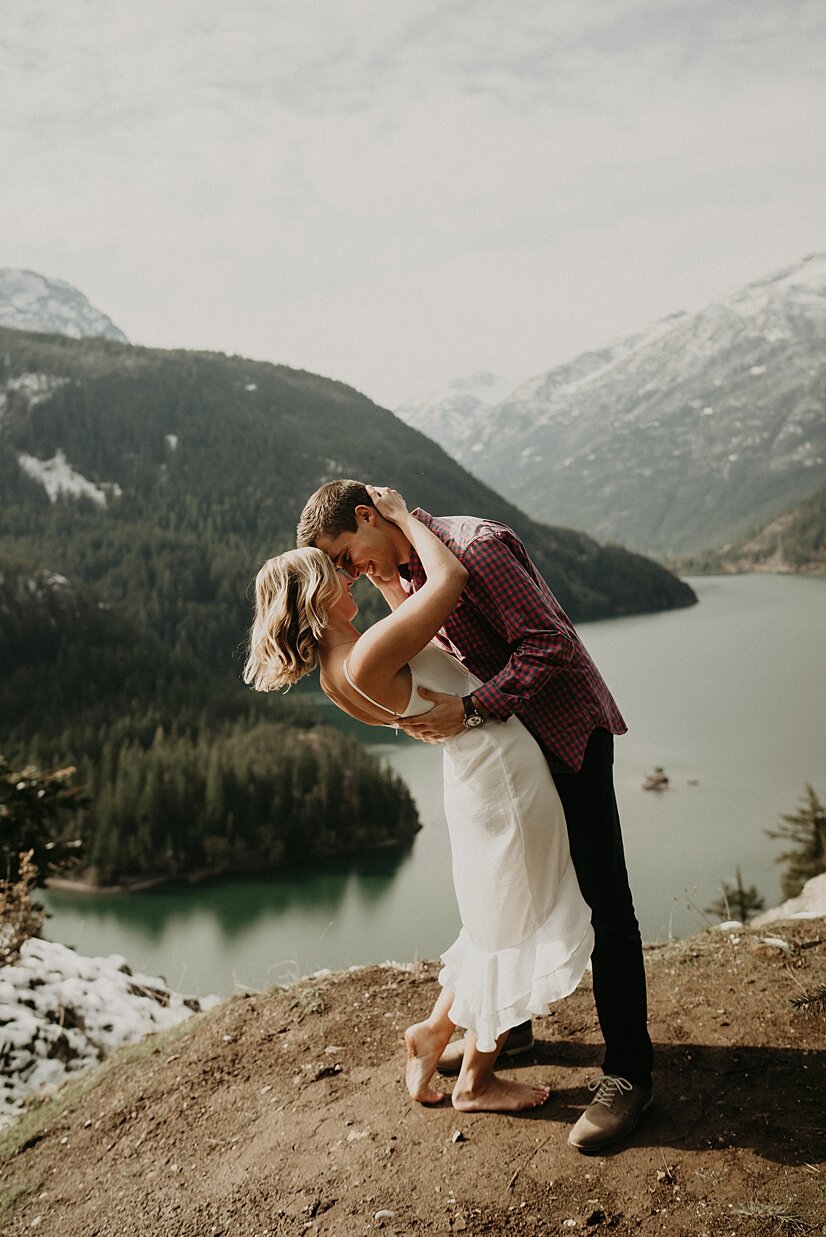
x=794 y=541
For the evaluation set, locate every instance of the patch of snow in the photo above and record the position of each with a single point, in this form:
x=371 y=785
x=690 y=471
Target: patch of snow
x=251 y=386
x=61 y=1012
x=810 y=903
x=171 y=441
x=52 y=578
x=757 y=369
x=332 y=470
x=58 y=477
x=35 y=388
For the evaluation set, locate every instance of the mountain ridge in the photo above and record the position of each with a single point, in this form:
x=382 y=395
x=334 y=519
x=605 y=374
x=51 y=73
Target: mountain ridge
x=677 y=437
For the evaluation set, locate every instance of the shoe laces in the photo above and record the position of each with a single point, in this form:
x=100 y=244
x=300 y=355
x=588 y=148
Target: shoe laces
x=608 y=1088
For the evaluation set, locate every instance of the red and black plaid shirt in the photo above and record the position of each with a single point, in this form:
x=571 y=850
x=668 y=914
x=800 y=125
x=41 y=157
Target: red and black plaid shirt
x=512 y=633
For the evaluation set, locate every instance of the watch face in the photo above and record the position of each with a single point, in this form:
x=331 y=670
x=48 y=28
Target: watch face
x=473 y=720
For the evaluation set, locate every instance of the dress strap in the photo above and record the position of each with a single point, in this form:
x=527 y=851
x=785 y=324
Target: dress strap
x=356 y=688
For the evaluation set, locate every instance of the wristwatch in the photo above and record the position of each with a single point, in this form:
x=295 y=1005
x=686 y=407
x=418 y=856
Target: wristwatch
x=472 y=715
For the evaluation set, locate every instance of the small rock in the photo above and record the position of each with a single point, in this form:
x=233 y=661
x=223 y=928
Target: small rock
x=325 y=1071
x=776 y=942
x=265 y=1089
x=36 y=1222
x=458 y=1137
x=569 y=1223
x=332 y=1049
x=384 y=1214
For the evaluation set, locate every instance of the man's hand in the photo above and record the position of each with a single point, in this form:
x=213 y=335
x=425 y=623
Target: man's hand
x=444 y=720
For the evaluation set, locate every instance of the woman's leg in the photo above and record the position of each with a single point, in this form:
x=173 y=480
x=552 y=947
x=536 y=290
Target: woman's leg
x=479 y=1090
x=425 y=1043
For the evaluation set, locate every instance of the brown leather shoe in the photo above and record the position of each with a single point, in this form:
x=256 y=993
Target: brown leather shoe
x=520 y=1040
x=611 y=1116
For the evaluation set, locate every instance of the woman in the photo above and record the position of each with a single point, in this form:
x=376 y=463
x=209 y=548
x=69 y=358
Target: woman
x=526 y=931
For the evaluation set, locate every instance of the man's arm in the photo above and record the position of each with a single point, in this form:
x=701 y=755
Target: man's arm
x=511 y=601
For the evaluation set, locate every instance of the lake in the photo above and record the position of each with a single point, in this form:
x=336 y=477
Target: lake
x=729 y=697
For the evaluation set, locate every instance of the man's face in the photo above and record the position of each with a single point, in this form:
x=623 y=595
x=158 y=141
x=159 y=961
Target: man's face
x=374 y=549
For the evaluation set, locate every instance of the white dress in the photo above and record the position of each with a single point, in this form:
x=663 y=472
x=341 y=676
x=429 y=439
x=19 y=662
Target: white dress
x=526 y=936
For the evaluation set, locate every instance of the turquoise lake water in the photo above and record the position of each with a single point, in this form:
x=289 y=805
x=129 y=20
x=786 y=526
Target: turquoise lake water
x=730 y=695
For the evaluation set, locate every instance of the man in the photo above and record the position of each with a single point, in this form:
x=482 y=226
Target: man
x=511 y=632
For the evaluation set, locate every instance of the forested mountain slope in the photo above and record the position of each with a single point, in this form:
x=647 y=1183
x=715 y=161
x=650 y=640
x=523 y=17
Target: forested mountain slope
x=795 y=541
x=165 y=478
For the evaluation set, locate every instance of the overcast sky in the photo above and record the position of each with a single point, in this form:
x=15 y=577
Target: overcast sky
x=397 y=192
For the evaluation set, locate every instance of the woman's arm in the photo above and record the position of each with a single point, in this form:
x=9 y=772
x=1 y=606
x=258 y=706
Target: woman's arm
x=389 y=644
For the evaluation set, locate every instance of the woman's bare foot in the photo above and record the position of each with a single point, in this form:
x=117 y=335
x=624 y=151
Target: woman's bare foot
x=424 y=1047
x=498 y=1095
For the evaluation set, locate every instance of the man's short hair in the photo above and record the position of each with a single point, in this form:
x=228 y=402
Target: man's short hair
x=331 y=511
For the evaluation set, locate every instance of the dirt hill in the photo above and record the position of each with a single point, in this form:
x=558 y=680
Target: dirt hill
x=285 y=1113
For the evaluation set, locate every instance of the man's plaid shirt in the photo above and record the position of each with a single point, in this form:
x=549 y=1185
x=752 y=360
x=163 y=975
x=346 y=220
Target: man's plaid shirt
x=512 y=633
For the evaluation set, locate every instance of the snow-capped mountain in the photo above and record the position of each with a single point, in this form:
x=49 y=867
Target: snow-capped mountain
x=31 y=302
x=452 y=413
x=683 y=436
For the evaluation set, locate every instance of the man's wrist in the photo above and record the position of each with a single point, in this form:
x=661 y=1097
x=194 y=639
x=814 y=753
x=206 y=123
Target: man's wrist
x=472 y=717
x=481 y=709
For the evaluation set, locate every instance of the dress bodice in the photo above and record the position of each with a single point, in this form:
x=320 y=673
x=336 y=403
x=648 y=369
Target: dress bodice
x=432 y=668
x=436 y=669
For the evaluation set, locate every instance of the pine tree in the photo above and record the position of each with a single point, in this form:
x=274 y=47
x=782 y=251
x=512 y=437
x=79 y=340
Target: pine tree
x=736 y=901
x=805 y=829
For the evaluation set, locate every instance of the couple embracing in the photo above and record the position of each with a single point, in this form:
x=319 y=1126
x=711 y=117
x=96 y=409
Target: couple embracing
x=478 y=655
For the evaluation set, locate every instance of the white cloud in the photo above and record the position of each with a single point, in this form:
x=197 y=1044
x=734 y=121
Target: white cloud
x=381 y=191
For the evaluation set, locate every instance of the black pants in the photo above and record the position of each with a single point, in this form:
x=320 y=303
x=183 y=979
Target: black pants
x=599 y=859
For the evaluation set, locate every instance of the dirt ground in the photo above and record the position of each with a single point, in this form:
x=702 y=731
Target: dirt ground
x=285 y=1113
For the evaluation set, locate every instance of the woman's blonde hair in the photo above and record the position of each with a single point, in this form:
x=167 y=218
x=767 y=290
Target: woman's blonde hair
x=293 y=595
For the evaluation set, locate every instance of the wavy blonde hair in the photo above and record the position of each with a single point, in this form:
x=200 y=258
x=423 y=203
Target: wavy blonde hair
x=293 y=595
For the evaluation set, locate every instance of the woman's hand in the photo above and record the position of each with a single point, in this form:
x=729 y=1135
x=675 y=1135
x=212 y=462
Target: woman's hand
x=389 y=503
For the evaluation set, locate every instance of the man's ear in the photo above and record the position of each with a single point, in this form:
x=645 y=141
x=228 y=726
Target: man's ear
x=363 y=512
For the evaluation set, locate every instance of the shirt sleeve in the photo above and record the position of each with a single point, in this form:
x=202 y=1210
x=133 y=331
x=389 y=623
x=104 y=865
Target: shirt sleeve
x=509 y=597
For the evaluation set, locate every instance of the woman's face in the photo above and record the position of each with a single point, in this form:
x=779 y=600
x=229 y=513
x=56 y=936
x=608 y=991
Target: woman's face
x=346 y=606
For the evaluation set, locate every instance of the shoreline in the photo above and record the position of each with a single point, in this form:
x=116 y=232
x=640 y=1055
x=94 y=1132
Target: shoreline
x=203 y=876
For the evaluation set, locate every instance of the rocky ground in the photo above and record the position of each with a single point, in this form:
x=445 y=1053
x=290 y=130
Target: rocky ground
x=285 y=1113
